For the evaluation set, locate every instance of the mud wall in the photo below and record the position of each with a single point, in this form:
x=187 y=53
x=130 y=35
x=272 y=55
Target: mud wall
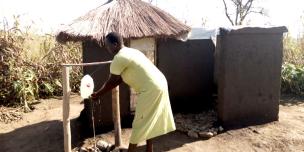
x=188 y=67
x=248 y=71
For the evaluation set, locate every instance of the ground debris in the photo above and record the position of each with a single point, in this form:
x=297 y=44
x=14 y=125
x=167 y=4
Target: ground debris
x=198 y=125
x=8 y=114
x=192 y=134
x=205 y=134
x=101 y=146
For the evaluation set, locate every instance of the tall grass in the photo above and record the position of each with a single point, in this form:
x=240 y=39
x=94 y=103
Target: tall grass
x=293 y=50
x=30 y=66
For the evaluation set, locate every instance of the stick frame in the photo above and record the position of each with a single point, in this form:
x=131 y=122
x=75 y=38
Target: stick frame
x=66 y=106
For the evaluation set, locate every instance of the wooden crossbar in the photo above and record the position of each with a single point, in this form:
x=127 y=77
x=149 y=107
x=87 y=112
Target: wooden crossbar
x=87 y=64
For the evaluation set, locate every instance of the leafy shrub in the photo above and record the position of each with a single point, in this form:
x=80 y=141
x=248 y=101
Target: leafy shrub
x=293 y=67
x=26 y=76
x=293 y=79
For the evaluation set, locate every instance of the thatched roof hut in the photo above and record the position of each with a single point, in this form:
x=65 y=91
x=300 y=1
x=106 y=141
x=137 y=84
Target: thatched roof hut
x=130 y=18
x=141 y=24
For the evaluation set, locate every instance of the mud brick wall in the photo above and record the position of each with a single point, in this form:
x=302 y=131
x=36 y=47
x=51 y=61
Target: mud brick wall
x=188 y=67
x=248 y=71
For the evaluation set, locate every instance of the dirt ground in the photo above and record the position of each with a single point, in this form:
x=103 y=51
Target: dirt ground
x=41 y=131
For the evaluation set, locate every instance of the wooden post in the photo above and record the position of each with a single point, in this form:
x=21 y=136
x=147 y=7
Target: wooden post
x=66 y=109
x=116 y=116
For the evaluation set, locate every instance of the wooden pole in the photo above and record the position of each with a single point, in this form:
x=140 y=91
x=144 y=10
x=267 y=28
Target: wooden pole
x=116 y=116
x=66 y=109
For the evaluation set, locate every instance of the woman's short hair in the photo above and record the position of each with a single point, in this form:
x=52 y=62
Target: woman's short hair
x=114 y=37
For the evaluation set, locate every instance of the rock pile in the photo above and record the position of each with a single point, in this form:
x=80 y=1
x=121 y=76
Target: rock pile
x=101 y=146
x=198 y=125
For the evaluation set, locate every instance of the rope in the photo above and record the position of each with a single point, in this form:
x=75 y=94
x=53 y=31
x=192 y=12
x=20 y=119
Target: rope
x=92 y=113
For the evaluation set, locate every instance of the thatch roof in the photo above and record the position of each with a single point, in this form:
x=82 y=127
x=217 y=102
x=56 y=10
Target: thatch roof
x=130 y=18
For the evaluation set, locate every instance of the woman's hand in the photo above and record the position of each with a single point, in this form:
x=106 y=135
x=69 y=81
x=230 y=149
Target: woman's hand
x=111 y=83
x=95 y=95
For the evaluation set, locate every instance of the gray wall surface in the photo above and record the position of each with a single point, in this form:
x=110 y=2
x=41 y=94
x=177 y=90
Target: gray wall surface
x=188 y=67
x=248 y=72
x=92 y=52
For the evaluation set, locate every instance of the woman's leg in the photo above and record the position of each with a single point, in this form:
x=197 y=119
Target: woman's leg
x=132 y=147
x=149 y=147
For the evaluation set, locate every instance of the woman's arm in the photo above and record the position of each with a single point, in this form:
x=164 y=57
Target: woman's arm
x=111 y=83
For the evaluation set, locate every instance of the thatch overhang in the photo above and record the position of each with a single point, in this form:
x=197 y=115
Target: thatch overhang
x=130 y=18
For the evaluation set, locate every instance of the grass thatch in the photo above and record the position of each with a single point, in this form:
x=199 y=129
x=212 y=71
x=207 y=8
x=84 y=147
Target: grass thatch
x=130 y=18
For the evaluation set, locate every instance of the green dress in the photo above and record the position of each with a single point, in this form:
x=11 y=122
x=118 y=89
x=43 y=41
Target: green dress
x=153 y=114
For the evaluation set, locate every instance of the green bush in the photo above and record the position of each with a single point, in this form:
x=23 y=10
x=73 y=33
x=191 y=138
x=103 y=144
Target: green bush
x=28 y=73
x=293 y=79
x=293 y=67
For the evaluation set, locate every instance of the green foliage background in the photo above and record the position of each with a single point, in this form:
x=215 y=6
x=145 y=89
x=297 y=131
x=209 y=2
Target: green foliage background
x=30 y=66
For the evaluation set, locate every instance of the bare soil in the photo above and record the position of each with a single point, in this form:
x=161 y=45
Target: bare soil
x=41 y=131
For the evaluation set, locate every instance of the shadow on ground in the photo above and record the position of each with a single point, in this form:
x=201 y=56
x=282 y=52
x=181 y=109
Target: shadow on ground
x=45 y=136
x=169 y=142
x=291 y=100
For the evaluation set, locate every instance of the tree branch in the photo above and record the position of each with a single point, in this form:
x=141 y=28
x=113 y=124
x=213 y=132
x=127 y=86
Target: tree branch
x=237 y=12
x=235 y=2
x=247 y=4
x=257 y=12
x=242 y=9
x=248 y=7
x=226 y=12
